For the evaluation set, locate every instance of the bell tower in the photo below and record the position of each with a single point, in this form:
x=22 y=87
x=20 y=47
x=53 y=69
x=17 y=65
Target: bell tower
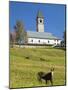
x=40 y=22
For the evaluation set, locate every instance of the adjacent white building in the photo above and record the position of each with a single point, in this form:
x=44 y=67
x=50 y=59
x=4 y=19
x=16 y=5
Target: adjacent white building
x=41 y=37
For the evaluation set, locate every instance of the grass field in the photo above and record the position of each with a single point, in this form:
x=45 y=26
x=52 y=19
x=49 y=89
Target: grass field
x=25 y=63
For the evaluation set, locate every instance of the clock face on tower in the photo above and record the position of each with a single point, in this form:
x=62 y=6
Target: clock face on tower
x=40 y=21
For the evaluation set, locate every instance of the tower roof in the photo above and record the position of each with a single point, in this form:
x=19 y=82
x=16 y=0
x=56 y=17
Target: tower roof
x=40 y=14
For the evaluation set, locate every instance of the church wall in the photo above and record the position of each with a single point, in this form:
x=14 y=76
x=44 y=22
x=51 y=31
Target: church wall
x=40 y=28
x=43 y=41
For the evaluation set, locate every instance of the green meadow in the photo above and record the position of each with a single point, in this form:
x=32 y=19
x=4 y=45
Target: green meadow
x=25 y=63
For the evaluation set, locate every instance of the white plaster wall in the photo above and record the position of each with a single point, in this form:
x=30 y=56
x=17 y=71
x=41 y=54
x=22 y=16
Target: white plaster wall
x=40 y=27
x=43 y=41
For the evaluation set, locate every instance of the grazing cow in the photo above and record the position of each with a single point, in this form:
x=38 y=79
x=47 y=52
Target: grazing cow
x=46 y=76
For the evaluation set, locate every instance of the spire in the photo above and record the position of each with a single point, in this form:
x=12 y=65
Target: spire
x=40 y=15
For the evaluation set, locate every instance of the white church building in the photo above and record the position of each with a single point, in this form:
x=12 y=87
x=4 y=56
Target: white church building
x=41 y=37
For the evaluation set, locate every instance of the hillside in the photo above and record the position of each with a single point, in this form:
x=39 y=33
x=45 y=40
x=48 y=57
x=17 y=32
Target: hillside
x=25 y=63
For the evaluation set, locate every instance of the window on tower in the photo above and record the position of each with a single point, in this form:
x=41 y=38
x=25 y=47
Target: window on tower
x=40 y=21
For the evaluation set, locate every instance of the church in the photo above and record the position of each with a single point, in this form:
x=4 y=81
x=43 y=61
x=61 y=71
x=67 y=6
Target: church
x=41 y=37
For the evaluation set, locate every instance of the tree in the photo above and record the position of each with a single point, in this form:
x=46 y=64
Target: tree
x=21 y=35
x=64 y=36
x=12 y=38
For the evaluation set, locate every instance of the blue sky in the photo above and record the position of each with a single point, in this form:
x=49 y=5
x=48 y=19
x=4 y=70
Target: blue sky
x=54 y=16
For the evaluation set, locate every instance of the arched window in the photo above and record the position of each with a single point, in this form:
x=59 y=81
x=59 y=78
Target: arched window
x=39 y=41
x=48 y=41
x=31 y=40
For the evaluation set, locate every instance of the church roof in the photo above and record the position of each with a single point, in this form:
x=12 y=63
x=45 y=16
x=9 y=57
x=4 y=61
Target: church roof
x=40 y=14
x=40 y=35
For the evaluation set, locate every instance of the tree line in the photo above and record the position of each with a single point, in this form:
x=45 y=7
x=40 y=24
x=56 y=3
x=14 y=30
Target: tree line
x=19 y=35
